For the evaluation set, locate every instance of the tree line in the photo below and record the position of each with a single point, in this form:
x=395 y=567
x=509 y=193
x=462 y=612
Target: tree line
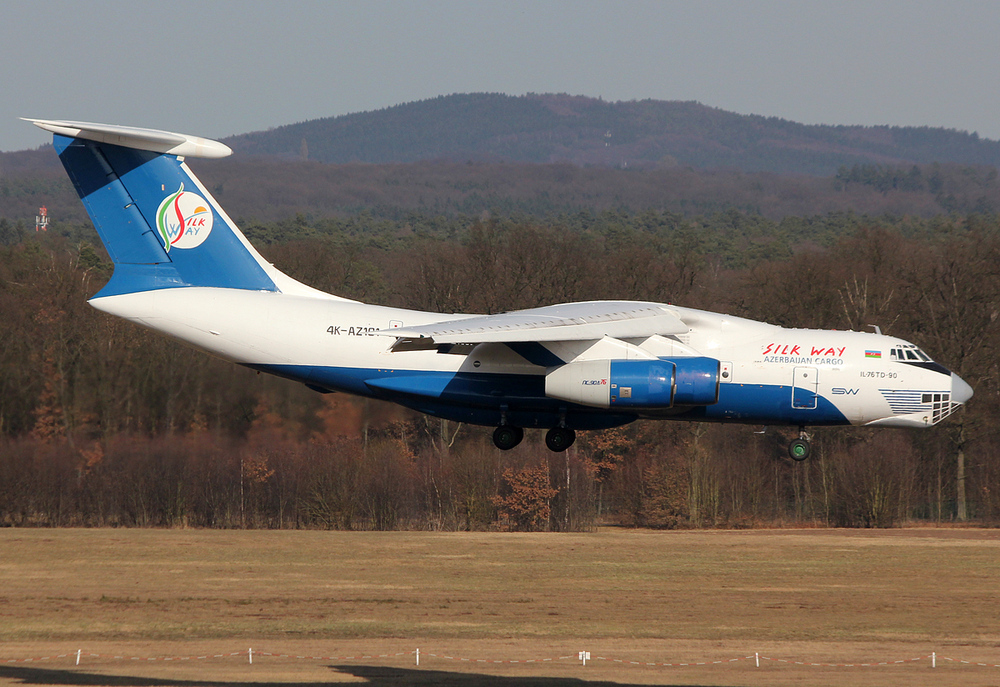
x=427 y=193
x=102 y=423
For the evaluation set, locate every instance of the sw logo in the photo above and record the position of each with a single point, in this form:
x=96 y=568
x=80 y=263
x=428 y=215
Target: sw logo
x=183 y=220
x=841 y=391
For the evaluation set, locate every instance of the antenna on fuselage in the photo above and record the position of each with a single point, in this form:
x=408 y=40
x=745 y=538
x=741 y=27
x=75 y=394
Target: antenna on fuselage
x=878 y=330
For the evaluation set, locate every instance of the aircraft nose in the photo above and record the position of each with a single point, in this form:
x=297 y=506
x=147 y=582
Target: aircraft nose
x=960 y=390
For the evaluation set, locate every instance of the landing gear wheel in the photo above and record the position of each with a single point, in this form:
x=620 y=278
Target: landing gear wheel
x=799 y=449
x=559 y=439
x=506 y=437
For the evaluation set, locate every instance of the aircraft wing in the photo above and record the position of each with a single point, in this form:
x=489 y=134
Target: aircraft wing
x=566 y=322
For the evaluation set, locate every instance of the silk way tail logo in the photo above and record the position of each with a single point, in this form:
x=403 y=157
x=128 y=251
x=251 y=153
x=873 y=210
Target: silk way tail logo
x=183 y=220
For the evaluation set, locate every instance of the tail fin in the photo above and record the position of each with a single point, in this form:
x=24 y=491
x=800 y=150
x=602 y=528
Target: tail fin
x=160 y=225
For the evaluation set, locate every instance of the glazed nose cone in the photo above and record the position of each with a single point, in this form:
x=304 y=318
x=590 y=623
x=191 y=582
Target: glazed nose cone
x=960 y=390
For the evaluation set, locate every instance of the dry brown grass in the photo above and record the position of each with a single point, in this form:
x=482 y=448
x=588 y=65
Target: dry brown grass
x=829 y=596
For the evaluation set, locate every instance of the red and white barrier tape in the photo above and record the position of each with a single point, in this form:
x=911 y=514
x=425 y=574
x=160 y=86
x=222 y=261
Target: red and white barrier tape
x=671 y=665
x=251 y=653
x=970 y=663
x=37 y=658
x=489 y=660
x=333 y=658
x=844 y=665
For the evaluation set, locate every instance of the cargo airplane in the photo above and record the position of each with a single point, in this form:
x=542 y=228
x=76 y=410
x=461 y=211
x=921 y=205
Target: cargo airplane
x=183 y=268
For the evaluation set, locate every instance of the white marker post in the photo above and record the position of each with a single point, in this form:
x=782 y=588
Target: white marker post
x=250 y=654
x=78 y=651
x=584 y=656
x=756 y=658
x=933 y=659
x=418 y=656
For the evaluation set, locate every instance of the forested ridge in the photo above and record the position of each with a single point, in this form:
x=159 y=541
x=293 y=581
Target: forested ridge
x=545 y=128
x=269 y=190
x=543 y=154
x=102 y=423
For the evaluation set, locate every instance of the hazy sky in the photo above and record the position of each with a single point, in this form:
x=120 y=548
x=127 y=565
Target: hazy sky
x=227 y=67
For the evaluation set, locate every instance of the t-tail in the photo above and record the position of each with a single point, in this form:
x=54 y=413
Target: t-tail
x=160 y=225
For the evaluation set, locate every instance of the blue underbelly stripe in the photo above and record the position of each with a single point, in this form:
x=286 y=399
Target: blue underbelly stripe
x=479 y=398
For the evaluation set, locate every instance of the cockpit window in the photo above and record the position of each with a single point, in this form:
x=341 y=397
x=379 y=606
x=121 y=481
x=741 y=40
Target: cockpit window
x=906 y=352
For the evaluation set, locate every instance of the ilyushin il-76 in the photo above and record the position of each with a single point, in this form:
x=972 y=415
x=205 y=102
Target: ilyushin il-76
x=183 y=268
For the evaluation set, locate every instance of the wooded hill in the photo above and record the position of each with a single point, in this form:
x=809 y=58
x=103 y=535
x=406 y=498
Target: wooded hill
x=545 y=155
x=585 y=131
x=270 y=189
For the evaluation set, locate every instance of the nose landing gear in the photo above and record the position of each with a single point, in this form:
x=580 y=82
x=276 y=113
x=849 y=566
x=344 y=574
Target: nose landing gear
x=799 y=448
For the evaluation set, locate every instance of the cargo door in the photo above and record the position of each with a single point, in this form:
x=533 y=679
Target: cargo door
x=805 y=388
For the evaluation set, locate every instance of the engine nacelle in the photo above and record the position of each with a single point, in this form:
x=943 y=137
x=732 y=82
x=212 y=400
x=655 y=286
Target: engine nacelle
x=696 y=381
x=637 y=384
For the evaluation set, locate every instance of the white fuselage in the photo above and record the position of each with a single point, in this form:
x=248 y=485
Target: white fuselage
x=769 y=374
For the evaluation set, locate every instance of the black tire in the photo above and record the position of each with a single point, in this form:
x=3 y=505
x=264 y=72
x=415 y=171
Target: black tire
x=799 y=449
x=559 y=439
x=506 y=437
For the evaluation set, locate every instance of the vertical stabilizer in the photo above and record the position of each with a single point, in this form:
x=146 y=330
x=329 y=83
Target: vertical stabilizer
x=160 y=225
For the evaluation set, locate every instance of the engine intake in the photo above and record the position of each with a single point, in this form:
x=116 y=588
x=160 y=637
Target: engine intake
x=637 y=384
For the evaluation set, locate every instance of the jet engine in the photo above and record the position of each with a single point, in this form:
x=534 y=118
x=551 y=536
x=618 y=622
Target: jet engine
x=637 y=384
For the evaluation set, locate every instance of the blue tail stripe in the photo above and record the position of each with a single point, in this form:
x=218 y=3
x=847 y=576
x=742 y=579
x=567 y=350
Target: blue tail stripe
x=122 y=189
x=125 y=232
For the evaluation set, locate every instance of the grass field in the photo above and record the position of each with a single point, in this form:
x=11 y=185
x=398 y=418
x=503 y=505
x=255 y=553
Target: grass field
x=822 y=596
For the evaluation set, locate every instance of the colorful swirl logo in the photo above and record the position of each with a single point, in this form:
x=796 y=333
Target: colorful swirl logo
x=184 y=220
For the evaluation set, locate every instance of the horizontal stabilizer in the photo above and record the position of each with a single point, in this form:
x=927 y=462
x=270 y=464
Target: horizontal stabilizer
x=139 y=139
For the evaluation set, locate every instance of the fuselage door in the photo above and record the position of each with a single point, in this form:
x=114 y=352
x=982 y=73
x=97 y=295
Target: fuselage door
x=805 y=388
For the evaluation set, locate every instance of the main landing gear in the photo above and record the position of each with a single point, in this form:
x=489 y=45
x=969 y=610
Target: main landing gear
x=558 y=439
x=506 y=437
x=799 y=448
